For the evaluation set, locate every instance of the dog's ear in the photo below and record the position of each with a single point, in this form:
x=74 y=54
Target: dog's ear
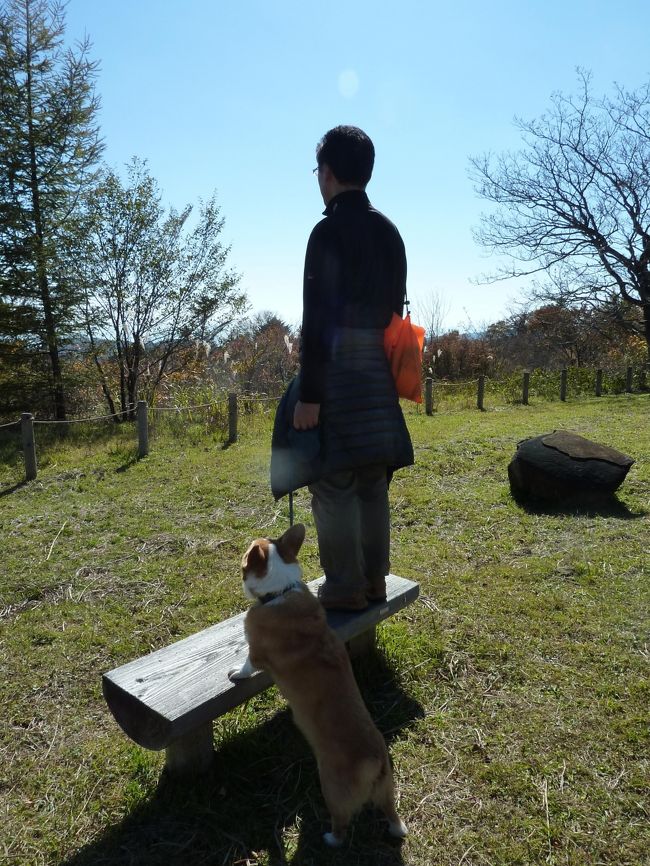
x=255 y=558
x=290 y=543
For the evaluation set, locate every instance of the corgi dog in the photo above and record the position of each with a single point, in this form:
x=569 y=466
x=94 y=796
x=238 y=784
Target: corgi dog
x=289 y=637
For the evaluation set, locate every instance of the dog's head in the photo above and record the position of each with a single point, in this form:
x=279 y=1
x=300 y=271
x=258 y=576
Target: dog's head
x=270 y=565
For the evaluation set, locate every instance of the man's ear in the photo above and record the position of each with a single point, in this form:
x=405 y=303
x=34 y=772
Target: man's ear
x=290 y=542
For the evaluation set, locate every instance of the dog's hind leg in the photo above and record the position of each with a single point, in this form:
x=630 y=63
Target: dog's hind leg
x=337 y=835
x=340 y=803
x=340 y=820
x=383 y=796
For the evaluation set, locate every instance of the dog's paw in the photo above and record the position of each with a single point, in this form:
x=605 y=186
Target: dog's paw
x=243 y=673
x=237 y=674
x=332 y=840
x=398 y=829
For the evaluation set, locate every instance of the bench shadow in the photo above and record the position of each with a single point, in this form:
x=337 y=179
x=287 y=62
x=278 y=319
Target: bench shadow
x=261 y=800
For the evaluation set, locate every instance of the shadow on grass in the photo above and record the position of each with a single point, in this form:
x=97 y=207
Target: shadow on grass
x=128 y=463
x=14 y=487
x=261 y=802
x=581 y=506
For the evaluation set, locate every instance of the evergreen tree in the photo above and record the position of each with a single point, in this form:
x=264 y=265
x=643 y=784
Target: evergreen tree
x=49 y=145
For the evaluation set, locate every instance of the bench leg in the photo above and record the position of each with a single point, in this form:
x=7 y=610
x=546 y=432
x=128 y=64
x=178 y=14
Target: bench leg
x=363 y=642
x=191 y=754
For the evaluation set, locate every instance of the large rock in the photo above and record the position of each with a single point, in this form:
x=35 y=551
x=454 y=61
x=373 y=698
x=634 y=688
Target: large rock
x=562 y=465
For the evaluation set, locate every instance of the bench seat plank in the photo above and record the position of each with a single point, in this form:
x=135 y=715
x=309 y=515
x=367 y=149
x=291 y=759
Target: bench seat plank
x=164 y=695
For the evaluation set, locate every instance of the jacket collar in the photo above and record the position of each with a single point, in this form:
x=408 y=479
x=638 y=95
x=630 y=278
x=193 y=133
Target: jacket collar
x=349 y=198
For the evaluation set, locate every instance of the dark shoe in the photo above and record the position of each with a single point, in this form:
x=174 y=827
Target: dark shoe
x=376 y=589
x=341 y=599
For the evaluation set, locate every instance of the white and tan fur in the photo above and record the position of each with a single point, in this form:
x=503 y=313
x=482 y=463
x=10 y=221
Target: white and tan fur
x=288 y=636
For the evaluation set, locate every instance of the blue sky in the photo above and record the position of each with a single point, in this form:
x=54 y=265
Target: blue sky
x=234 y=95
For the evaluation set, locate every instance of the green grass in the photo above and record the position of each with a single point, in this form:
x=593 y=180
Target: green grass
x=514 y=695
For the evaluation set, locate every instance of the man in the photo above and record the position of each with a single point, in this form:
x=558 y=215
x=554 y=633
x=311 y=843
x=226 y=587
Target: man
x=355 y=278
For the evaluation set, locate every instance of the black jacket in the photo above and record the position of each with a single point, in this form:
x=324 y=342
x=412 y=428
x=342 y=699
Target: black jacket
x=355 y=273
x=355 y=277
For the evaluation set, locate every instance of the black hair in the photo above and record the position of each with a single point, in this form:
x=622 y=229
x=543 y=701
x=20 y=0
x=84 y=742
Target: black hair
x=350 y=154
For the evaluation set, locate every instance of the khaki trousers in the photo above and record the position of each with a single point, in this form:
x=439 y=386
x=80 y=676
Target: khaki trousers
x=352 y=518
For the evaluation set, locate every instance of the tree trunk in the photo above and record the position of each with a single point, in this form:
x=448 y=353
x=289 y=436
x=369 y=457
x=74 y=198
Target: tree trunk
x=132 y=387
x=134 y=376
x=646 y=331
x=102 y=380
x=124 y=398
x=41 y=259
x=52 y=345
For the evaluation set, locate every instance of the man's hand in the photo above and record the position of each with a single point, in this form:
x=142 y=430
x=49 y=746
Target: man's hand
x=305 y=415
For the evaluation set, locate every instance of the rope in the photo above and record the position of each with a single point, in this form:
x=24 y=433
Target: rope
x=211 y=405
x=80 y=420
x=187 y=408
x=249 y=398
x=260 y=399
x=439 y=383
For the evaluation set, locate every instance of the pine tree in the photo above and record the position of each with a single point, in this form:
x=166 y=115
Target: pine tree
x=49 y=145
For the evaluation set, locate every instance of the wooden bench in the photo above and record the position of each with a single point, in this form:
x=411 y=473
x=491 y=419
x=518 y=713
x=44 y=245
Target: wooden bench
x=169 y=698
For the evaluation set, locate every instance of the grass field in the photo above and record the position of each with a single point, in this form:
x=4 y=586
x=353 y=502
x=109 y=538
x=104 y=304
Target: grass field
x=514 y=694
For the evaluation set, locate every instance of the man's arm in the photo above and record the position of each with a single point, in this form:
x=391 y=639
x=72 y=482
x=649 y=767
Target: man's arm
x=320 y=294
x=399 y=289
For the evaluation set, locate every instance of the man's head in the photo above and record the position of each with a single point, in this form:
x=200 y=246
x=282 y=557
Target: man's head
x=345 y=157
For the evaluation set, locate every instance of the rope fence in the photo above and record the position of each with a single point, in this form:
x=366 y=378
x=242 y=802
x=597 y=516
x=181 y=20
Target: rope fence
x=520 y=392
x=79 y=420
x=212 y=405
x=232 y=407
x=27 y=423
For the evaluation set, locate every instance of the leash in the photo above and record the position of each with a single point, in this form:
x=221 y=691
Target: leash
x=291 y=508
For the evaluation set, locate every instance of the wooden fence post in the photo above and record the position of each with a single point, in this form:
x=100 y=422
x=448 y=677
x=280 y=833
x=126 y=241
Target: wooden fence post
x=628 y=380
x=29 y=447
x=143 y=428
x=481 y=392
x=525 y=388
x=563 y=381
x=599 y=383
x=232 y=417
x=428 y=395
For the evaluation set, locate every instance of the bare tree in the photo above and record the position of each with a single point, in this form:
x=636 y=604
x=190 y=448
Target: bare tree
x=153 y=285
x=431 y=313
x=576 y=198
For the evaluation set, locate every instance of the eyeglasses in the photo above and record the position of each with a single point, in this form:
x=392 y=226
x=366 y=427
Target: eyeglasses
x=315 y=171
